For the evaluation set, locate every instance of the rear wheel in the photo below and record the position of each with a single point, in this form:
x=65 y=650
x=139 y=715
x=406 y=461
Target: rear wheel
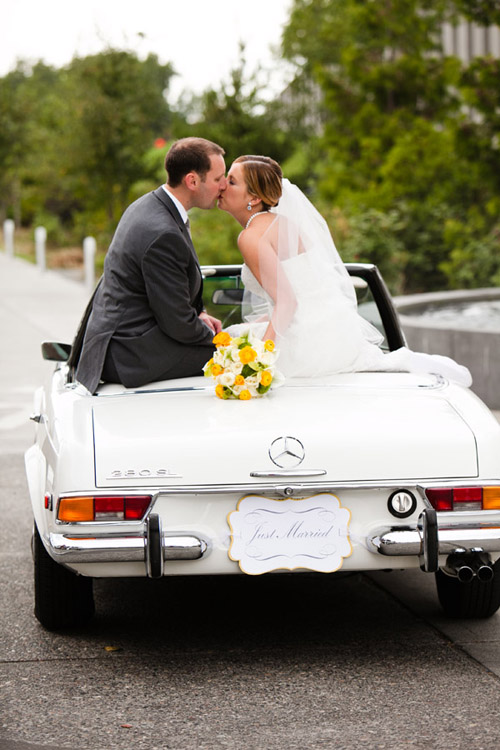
x=62 y=598
x=469 y=599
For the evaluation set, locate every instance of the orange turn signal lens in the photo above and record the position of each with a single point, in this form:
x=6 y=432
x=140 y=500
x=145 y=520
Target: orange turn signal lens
x=491 y=498
x=75 y=509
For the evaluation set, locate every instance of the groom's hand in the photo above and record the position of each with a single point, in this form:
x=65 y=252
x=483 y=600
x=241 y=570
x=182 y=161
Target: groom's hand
x=213 y=323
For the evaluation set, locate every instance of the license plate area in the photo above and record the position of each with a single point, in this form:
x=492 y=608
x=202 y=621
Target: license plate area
x=273 y=534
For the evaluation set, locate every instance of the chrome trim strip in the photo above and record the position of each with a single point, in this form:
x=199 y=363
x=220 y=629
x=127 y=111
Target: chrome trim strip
x=117 y=548
x=330 y=486
x=438 y=384
x=196 y=489
x=153 y=390
x=289 y=473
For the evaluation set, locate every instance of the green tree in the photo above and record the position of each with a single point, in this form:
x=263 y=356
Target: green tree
x=119 y=108
x=380 y=74
x=73 y=141
x=482 y=12
x=32 y=112
x=238 y=117
x=409 y=132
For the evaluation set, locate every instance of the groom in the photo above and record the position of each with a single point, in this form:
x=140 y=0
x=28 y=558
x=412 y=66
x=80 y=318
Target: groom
x=147 y=321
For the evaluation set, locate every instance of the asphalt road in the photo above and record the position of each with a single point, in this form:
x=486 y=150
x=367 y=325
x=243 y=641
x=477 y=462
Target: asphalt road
x=242 y=662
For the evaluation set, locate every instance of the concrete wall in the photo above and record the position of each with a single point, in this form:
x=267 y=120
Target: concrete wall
x=477 y=350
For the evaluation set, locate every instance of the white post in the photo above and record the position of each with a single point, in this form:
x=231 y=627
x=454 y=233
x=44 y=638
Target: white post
x=89 y=248
x=40 y=240
x=8 y=236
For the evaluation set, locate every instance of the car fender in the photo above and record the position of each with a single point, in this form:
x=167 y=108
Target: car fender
x=36 y=471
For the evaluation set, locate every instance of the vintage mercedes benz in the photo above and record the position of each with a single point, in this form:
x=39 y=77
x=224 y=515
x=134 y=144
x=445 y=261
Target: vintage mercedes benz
x=350 y=472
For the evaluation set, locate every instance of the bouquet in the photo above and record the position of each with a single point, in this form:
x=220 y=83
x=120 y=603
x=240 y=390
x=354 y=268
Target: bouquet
x=242 y=367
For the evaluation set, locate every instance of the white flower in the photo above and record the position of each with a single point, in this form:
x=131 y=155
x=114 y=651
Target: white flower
x=227 y=378
x=252 y=381
x=268 y=358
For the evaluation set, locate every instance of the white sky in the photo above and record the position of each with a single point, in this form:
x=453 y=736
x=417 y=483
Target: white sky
x=199 y=37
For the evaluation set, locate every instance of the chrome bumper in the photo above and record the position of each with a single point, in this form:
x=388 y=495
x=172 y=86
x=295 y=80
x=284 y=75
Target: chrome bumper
x=153 y=548
x=434 y=535
x=441 y=534
x=410 y=542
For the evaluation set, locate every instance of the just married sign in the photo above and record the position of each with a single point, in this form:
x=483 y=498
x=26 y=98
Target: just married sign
x=271 y=534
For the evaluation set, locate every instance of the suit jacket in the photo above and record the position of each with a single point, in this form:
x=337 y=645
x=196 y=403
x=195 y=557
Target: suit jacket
x=145 y=311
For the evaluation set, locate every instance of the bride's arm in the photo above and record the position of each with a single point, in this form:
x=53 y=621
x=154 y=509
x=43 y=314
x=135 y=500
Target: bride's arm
x=262 y=260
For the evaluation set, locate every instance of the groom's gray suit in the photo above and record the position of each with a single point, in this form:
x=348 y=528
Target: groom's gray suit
x=144 y=323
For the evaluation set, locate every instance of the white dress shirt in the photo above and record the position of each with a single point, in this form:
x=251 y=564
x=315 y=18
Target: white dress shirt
x=178 y=204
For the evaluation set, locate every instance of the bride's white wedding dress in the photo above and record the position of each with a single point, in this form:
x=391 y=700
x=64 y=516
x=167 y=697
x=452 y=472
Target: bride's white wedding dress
x=315 y=315
x=319 y=311
x=348 y=341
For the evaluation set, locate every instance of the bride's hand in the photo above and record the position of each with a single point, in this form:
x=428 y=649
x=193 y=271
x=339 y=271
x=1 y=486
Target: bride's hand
x=270 y=333
x=213 y=323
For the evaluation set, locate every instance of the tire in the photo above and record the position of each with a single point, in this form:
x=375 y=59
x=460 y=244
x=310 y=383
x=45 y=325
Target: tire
x=474 y=599
x=62 y=598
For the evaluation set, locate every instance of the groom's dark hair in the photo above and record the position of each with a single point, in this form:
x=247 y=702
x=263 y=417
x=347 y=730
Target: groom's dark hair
x=190 y=155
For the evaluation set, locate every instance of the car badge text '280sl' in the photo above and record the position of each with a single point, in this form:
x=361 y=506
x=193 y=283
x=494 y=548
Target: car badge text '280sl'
x=143 y=474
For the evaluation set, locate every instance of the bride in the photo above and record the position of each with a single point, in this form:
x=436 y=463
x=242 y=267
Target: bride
x=297 y=290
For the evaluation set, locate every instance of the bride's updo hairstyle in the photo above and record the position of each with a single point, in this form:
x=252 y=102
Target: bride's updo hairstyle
x=263 y=178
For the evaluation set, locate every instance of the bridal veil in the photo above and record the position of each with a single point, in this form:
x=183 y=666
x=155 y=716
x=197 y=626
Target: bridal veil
x=307 y=293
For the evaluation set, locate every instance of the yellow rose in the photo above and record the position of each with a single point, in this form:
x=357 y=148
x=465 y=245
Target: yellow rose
x=245 y=395
x=219 y=391
x=269 y=345
x=239 y=380
x=222 y=339
x=247 y=354
x=217 y=370
x=266 y=378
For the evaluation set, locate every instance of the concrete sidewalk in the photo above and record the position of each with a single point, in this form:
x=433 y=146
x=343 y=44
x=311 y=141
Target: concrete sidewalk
x=34 y=307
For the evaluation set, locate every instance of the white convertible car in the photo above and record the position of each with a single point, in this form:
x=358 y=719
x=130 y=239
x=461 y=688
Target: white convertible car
x=350 y=472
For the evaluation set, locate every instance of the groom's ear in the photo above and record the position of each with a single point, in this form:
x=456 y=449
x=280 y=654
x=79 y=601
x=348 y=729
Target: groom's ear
x=192 y=180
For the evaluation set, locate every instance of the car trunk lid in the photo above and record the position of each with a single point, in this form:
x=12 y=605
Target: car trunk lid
x=360 y=427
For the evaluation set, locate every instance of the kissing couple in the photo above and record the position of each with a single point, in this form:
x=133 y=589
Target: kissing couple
x=147 y=320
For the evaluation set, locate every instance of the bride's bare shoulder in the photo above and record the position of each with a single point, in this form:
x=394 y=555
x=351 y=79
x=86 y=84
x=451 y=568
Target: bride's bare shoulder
x=253 y=233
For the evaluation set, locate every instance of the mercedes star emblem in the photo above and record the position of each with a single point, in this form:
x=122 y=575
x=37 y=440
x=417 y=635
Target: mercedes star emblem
x=286 y=452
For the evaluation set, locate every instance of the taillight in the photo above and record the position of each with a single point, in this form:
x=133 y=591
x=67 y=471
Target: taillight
x=464 y=498
x=441 y=498
x=103 y=508
x=468 y=498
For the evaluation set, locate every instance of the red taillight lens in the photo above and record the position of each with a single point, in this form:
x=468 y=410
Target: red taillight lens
x=456 y=498
x=441 y=498
x=136 y=507
x=103 y=508
x=109 y=508
x=468 y=498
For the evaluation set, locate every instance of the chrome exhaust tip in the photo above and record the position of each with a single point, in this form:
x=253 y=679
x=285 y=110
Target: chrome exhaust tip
x=460 y=566
x=465 y=567
x=485 y=573
x=465 y=573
